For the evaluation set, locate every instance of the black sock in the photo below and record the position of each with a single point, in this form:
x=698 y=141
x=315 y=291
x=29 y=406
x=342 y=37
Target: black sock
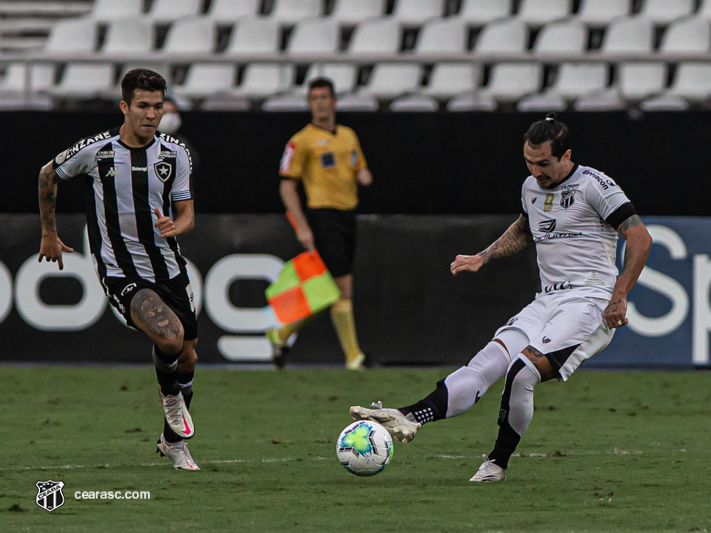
x=166 y=371
x=507 y=440
x=432 y=407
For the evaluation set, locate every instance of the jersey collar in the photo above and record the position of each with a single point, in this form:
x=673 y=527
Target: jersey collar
x=332 y=132
x=561 y=182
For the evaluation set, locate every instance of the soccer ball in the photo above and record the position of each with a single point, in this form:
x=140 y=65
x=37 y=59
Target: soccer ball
x=364 y=448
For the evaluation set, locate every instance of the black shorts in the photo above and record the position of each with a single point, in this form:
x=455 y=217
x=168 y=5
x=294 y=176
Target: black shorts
x=176 y=293
x=334 y=237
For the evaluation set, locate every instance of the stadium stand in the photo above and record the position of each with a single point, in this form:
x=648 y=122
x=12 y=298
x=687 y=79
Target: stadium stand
x=229 y=11
x=253 y=37
x=481 y=12
x=599 y=13
x=110 y=10
x=352 y=12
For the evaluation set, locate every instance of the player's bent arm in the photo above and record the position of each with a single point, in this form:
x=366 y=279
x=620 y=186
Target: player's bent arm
x=184 y=216
x=514 y=239
x=51 y=247
x=288 y=190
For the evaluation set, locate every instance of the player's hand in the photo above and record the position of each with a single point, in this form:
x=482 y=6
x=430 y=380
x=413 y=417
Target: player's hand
x=51 y=249
x=615 y=312
x=164 y=224
x=364 y=177
x=306 y=237
x=466 y=263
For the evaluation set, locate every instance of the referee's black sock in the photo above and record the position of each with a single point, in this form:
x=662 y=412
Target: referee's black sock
x=166 y=371
x=432 y=407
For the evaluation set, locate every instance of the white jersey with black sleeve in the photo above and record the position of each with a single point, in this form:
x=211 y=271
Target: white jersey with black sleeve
x=574 y=229
x=125 y=185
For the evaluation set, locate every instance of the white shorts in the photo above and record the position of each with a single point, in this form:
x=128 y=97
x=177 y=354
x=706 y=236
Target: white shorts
x=567 y=328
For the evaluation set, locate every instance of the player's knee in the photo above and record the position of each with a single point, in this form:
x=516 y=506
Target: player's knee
x=171 y=340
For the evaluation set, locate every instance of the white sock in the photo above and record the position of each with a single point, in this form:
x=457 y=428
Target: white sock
x=521 y=399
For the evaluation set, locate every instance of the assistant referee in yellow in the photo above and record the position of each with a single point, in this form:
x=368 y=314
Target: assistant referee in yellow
x=326 y=157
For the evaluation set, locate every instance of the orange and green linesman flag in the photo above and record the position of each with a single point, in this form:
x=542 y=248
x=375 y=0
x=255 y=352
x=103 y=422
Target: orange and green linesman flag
x=304 y=287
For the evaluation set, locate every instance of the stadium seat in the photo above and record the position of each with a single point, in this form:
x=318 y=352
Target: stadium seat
x=545 y=102
x=692 y=81
x=191 y=35
x=261 y=80
x=225 y=102
x=628 y=36
x=343 y=76
x=665 y=11
x=640 y=80
x=664 y=103
x=41 y=78
x=203 y=79
x=68 y=36
x=476 y=100
x=352 y=12
x=388 y=80
x=285 y=102
x=357 y=102
x=84 y=80
x=449 y=79
x=687 y=36
x=576 y=79
x=567 y=37
x=599 y=13
x=511 y=81
x=109 y=10
x=481 y=12
x=605 y=100
x=539 y=12
x=414 y=103
x=167 y=11
x=253 y=37
x=229 y=11
x=704 y=9
x=412 y=13
x=508 y=36
x=30 y=102
x=289 y=12
x=128 y=36
x=376 y=36
x=442 y=36
x=314 y=36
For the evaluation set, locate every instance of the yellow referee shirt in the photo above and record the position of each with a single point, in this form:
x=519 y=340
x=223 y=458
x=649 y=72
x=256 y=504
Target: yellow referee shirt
x=327 y=164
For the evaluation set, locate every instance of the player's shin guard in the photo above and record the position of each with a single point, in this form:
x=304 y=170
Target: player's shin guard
x=516 y=409
x=185 y=383
x=166 y=371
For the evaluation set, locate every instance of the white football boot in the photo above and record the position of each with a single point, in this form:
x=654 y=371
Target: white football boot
x=489 y=471
x=401 y=427
x=177 y=415
x=178 y=453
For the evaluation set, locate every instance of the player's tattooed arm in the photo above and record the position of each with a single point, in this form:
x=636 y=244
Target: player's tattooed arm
x=51 y=247
x=514 y=239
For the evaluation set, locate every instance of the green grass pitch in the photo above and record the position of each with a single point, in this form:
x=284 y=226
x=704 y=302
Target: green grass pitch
x=605 y=452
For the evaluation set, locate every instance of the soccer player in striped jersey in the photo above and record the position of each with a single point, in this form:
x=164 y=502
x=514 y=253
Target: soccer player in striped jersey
x=140 y=200
x=574 y=215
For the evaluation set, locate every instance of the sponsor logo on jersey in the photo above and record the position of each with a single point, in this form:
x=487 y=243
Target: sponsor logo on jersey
x=594 y=280
x=49 y=494
x=139 y=169
x=548 y=205
x=533 y=200
x=328 y=159
x=61 y=158
x=551 y=236
x=104 y=154
x=545 y=340
x=165 y=154
x=511 y=321
x=561 y=286
x=323 y=142
x=605 y=183
x=287 y=157
x=113 y=172
x=164 y=170
x=84 y=143
x=567 y=198
x=128 y=288
x=171 y=139
x=546 y=226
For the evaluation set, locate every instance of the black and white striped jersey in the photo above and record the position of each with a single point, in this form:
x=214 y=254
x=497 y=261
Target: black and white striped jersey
x=125 y=185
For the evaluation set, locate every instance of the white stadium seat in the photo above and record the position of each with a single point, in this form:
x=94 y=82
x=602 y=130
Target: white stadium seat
x=128 y=36
x=704 y=9
x=628 y=35
x=253 y=37
x=108 y=10
x=539 y=12
x=166 y=11
x=481 y=12
x=314 y=36
x=475 y=100
x=191 y=35
x=416 y=12
x=692 y=81
x=376 y=36
x=225 y=102
x=291 y=11
x=664 y=103
x=343 y=76
x=511 y=81
x=605 y=100
x=285 y=102
x=450 y=79
x=41 y=78
x=640 y=80
x=388 y=80
x=567 y=37
x=84 y=80
x=508 y=36
x=440 y=36
x=665 y=11
x=544 y=102
x=204 y=79
x=414 y=103
x=261 y=80
x=352 y=12
x=599 y=13
x=357 y=102
x=229 y=11
x=687 y=36
x=576 y=79
x=67 y=36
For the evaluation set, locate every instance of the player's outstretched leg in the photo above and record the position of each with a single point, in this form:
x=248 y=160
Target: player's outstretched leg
x=515 y=416
x=178 y=453
x=174 y=408
x=454 y=395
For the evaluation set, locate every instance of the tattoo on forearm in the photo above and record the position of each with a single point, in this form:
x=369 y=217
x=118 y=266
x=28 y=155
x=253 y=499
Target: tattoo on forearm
x=48 y=200
x=152 y=315
x=510 y=243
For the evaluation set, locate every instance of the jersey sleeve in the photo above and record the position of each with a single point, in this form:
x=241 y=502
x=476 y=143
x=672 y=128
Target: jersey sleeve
x=524 y=211
x=72 y=162
x=182 y=186
x=604 y=195
x=294 y=158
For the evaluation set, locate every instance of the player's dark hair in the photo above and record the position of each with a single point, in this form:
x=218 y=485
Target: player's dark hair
x=319 y=83
x=549 y=130
x=141 y=78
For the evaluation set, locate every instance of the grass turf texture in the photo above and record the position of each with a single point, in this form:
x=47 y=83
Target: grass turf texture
x=605 y=452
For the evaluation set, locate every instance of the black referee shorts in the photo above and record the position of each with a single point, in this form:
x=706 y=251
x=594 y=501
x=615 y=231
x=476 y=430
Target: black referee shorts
x=335 y=238
x=176 y=293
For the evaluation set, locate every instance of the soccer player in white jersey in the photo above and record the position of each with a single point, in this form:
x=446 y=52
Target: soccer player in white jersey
x=574 y=215
x=140 y=201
